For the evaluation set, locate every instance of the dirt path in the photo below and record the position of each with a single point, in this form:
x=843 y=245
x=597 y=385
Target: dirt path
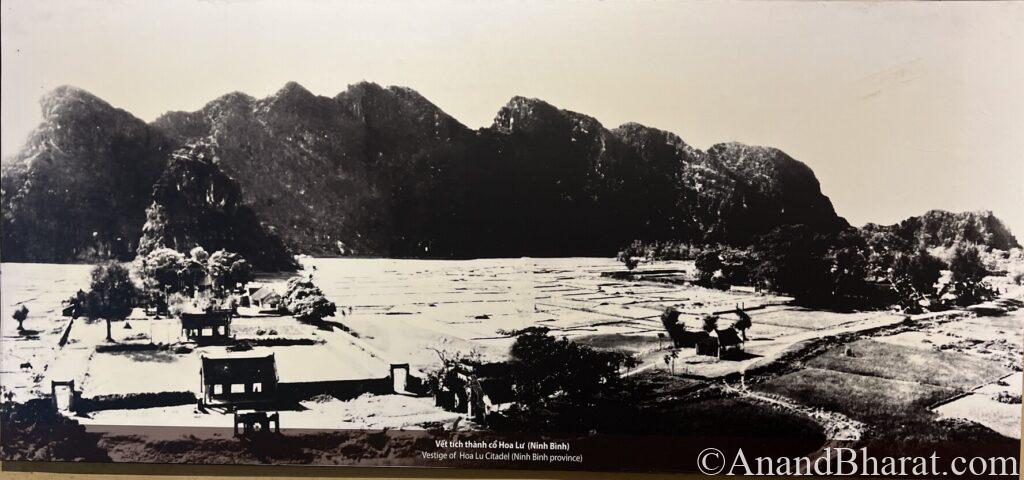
x=837 y=427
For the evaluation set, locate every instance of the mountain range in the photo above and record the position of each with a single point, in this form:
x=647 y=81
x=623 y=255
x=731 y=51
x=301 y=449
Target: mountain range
x=377 y=171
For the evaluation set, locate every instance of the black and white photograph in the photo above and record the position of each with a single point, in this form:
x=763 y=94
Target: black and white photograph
x=738 y=238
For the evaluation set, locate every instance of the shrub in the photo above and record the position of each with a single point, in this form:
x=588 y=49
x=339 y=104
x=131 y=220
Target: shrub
x=967 y=275
x=35 y=431
x=1008 y=398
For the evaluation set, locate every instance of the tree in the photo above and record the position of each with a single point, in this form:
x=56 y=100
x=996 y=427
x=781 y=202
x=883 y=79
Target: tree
x=228 y=270
x=77 y=303
x=191 y=274
x=676 y=330
x=883 y=248
x=199 y=254
x=913 y=277
x=450 y=374
x=710 y=323
x=670 y=360
x=848 y=268
x=20 y=315
x=669 y=317
x=111 y=294
x=967 y=275
x=743 y=324
x=708 y=264
x=162 y=268
x=306 y=301
x=312 y=308
x=34 y=430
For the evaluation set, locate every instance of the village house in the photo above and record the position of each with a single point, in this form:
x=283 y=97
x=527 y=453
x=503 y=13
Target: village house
x=261 y=296
x=723 y=344
x=237 y=381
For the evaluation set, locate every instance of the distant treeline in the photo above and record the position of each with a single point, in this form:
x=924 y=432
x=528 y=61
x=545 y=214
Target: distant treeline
x=852 y=268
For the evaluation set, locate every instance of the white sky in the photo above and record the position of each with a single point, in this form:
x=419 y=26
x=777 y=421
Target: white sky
x=898 y=107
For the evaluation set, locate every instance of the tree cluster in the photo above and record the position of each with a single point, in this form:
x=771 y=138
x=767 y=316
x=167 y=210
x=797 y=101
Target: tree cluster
x=851 y=268
x=719 y=267
x=166 y=271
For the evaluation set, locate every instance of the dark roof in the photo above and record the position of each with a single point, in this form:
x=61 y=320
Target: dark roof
x=493 y=379
x=498 y=389
x=728 y=337
x=206 y=319
x=239 y=370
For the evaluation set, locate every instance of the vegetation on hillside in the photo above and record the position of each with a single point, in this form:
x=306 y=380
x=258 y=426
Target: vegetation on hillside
x=196 y=205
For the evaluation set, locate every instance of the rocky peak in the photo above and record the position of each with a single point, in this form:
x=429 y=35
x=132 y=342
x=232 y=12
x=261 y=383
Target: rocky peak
x=398 y=108
x=759 y=163
x=234 y=101
x=520 y=111
x=75 y=189
x=294 y=98
x=293 y=88
x=523 y=114
x=648 y=139
x=68 y=99
x=942 y=228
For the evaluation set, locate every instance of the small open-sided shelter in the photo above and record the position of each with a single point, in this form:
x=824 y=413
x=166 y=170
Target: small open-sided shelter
x=206 y=325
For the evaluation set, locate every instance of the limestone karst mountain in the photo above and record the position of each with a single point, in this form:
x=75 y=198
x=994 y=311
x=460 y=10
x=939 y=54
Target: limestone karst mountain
x=78 y=188
x=384 y=172
x=940 y=228
x=196 y=205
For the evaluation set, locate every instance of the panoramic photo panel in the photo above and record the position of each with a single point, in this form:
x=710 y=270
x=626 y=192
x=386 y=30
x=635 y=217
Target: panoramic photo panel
x=760 y=238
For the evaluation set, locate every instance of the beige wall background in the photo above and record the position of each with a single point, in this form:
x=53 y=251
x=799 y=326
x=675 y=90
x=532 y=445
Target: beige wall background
x=898 y=107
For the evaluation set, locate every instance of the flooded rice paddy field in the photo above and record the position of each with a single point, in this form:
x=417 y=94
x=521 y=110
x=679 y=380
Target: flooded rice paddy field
x=402 y=311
